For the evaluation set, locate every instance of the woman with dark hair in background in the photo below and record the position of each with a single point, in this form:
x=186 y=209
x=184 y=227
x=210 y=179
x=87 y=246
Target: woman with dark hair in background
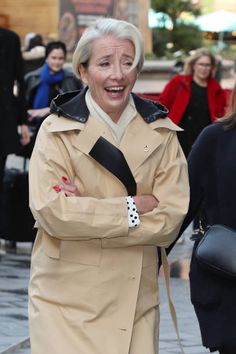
x=45 y=83
x=52 y=78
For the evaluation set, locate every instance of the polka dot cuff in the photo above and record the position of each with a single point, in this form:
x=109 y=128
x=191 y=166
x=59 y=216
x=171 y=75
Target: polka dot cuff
x=133 y=217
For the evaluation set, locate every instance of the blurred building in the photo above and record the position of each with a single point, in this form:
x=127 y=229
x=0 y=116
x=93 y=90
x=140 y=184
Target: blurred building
x=24 y=16
x=66 y=19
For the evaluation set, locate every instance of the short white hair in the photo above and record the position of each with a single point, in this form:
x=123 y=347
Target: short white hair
x=106 y=27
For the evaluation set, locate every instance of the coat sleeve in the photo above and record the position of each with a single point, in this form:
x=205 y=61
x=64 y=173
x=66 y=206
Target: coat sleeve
x=216 y=99
x=73 y=218
x=197 y=166
x=171 y=187
x=168 y=95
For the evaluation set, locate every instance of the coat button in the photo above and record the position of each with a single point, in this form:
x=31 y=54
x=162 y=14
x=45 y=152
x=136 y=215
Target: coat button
x=146 y=148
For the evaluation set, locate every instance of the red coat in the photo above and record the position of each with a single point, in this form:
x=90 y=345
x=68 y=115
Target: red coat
x=176 y=96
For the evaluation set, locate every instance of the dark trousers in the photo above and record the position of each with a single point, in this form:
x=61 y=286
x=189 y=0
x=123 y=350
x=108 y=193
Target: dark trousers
x=12 y=244
x=2 y=168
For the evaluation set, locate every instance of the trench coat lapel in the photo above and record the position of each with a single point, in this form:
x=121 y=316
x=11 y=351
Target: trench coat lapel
x=141 y=139
x=139 y=142
x=87 y=140
x=87 y=135
x=91 y=132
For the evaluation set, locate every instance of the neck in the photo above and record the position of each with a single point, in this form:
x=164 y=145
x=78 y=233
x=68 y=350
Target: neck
x=200 y=82
x=114 y=117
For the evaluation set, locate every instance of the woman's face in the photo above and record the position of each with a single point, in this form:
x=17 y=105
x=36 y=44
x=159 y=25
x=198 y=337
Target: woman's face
x=202 y=68
x=55 y=60
x=108 y=74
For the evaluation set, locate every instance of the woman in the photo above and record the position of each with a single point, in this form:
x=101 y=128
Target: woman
x=194 y=99
x=43 y=84
x=108 y=183
x=213 y=297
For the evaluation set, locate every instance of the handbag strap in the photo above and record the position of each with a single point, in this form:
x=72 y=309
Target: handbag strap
x=166 y=269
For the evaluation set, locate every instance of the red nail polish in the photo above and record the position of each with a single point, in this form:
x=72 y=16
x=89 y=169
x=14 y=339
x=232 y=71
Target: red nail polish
x=64 y=178
x=56 y=188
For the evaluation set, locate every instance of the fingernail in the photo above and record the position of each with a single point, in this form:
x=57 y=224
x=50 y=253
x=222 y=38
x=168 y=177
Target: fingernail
x=66 y=195
x=56 y=188
x=64 y=178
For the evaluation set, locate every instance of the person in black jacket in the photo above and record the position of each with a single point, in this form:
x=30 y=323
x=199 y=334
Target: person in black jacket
x=45 y=83
x=212 y=174
x=12 y=106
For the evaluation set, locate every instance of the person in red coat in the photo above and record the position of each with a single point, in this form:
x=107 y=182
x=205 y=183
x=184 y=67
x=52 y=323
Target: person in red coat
x=194 y=99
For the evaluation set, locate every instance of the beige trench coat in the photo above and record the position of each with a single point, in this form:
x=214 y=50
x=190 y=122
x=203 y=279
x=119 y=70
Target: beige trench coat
x=93 y=286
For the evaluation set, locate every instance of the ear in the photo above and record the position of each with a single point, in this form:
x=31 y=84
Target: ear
x=83 y=73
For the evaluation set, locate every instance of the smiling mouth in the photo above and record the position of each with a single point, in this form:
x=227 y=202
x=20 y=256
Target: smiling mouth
x=115 y=89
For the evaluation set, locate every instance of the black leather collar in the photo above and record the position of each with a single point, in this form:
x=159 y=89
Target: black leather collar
x=72 y=105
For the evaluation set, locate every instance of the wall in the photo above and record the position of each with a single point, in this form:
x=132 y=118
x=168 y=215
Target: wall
x=143 y=7
x=25 y=16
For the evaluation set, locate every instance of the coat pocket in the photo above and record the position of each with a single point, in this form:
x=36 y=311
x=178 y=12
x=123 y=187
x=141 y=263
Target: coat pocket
x=81 y=252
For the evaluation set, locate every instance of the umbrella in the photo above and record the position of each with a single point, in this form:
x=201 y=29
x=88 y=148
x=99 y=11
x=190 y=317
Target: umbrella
x=218 y=21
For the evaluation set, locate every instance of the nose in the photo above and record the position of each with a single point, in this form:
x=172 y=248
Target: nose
x=117 y=72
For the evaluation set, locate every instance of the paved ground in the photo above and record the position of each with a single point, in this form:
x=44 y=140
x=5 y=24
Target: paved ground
x=14 y=275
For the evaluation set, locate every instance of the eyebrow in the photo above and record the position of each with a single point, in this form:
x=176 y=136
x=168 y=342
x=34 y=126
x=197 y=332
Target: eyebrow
x=110 y=55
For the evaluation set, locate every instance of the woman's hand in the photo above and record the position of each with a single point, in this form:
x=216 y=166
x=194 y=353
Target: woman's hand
x=25 y=134
x=145 y=203
x=68 y=187
x=39 y=112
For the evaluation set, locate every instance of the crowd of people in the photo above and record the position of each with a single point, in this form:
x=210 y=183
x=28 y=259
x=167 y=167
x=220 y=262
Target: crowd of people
x=114 y=180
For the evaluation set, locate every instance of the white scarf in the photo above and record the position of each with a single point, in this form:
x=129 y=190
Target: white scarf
x=118 y=128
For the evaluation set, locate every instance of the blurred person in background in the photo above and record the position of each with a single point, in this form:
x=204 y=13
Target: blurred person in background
x=34 y=52
x=13 y=113
x=45 y=83
x=194 y=99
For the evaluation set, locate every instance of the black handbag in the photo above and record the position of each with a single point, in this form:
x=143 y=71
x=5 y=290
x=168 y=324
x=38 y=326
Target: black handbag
x=16 y=219
x=216 y=251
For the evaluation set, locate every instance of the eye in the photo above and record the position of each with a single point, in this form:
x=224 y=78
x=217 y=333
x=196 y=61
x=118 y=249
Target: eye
x=104 y=64
x=128 y=63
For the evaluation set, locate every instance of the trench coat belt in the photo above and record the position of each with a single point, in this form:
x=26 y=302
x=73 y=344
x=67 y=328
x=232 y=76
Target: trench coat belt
x=170 y=302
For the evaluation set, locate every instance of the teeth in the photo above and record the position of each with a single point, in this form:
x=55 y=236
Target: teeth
x=115 y=89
